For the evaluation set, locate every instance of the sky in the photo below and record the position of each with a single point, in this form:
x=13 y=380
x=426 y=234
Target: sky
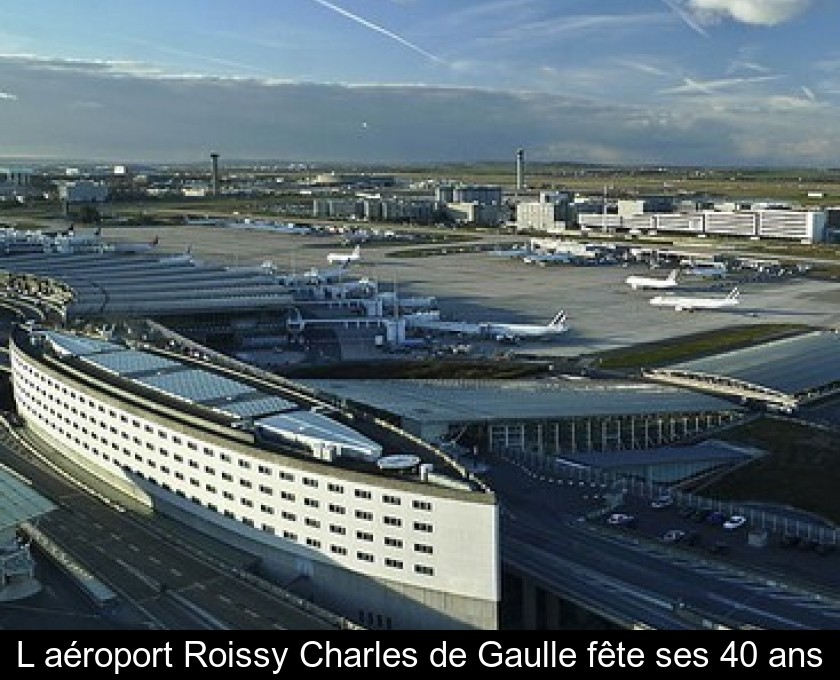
x=630 y=82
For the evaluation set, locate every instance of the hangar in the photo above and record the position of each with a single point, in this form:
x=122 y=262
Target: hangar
x=543 y=417
x=781 y=375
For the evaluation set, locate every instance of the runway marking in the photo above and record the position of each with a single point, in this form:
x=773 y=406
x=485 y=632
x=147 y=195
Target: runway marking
x=225 y=599
x=175 y=572
x=153 y=559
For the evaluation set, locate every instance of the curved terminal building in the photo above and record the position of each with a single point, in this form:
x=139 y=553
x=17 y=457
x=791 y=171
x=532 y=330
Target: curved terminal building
x=381 y=530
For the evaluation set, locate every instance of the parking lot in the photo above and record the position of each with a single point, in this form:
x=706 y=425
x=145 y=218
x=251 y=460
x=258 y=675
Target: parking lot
x=701 y=534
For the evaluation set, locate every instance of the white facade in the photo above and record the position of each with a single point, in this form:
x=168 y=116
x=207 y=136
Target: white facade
x=404 y=541
x=794 y=225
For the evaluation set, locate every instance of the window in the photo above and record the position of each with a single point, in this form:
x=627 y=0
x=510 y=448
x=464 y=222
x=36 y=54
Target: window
x=314 y=523
x=267 y=509
x=311 y=502
x=338 y=549
x=426 y=571
x=267 y=490
x=337 y=509
x=313 y=542
x=336 y=529
x=365 y=557
x=244 y=482
x=290 y=535
x=422 y=526
x=360 y=493
x=287 y=476
x=307 y=481
x=421 y=505
x=289 y=516
x=364 y=536
x=335 y=488
x=247 y=503
x=264 y=469
x=227 y=477
x=363 y=514
x=244 y=464
x=286 y=496
x=392 y=521
x=423 y=548
x=393 y=542
x=391 y=500
x=394 y=564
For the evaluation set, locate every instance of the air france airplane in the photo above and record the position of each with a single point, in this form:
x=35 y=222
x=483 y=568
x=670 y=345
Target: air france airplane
x=681 y=303
x=642 y=282
x=345 y=258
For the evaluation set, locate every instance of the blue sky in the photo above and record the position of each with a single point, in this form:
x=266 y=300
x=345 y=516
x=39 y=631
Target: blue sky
x=688 y=82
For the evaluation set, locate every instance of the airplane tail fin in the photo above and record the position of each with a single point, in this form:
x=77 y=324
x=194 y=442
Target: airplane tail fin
x=357 y=251
x=559 y=320
x=98 y=231
x=733 y=294
x=673 y=275
x=155 y=241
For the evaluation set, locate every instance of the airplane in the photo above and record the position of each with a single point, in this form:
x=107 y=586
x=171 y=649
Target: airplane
x=511 y=253
x=183 y=258
x=136 y=247
x=713 y=270
x=514 y=332
x=345 y=258
x=642 y=282
x=501 y=332
x=544 y=259
x=680 y=303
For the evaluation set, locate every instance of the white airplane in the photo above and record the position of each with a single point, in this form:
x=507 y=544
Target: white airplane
x=709 y=270
x=680 y=303
x=345 y=258
x=501 y=332
x=136 y=247
x=180 y=258
x=642 y=282
x=544 y=259
x=514 y=332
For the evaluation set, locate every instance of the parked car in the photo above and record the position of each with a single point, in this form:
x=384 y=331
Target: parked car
x=621 y=519
x=673 y=535
x=663 y=501
x=734 y=522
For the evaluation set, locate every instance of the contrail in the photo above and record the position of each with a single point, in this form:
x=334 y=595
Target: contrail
x=687 y=19
x=379 y=29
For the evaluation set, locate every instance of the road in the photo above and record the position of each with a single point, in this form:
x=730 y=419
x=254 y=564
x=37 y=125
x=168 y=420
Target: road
x=630 y=575
x=165 y=576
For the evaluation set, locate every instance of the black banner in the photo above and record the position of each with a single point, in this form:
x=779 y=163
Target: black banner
x=280 y=653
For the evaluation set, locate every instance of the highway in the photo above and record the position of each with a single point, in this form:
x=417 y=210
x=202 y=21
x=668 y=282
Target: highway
x=165 y=576
x=629 y=577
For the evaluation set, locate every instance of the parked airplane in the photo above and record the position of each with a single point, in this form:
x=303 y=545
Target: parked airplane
x=514 y=332
x=680 y=303
x=181 y=258
x=501 y=332
x=713 y=270
x=345 y=258
x=544 y=259
x=511 y=253
x=136 y=247
x=642 y=282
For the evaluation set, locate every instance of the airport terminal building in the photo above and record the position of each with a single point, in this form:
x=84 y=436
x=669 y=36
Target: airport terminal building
x=377 y=531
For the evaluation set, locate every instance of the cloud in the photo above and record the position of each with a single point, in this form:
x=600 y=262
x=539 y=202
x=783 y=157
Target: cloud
x=96 y=111
x=755 y=12
x=693 y=86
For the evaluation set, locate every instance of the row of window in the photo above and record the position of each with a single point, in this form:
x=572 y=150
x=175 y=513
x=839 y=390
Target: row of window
x=393 y=521
x=242 y=463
